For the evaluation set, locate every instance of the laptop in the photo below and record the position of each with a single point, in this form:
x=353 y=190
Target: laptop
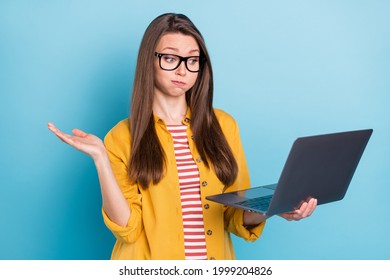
x=319 y=166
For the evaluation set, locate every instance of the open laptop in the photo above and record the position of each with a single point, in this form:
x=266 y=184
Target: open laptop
x=318 y=166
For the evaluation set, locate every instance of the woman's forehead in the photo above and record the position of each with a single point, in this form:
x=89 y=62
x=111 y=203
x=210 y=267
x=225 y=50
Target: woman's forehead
x=178 y=42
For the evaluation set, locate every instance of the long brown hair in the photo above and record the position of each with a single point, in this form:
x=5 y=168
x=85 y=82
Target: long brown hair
x=147 y=158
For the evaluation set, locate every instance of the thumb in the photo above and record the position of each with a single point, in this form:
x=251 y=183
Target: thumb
x=79 y=132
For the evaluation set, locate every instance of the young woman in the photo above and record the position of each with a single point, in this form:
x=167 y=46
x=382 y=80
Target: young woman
x=156 y=167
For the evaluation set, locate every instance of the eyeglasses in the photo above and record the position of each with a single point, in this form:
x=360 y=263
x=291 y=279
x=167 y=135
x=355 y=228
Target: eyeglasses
x=170 y=62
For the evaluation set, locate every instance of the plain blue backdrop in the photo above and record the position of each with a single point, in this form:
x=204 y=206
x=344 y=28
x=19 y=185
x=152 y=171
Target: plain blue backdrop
x=282 y=69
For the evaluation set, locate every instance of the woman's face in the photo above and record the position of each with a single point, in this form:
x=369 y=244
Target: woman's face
x=176 y=82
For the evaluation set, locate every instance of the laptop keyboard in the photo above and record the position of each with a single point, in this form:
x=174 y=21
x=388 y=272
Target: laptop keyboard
x=259 y=203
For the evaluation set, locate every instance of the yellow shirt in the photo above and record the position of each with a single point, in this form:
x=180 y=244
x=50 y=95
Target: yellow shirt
x=155 y=227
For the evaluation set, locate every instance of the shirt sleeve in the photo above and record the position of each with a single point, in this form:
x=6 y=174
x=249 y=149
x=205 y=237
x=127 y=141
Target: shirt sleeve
x=234 y=217
x=117 y=143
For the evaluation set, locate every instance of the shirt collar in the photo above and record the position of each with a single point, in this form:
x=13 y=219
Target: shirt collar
x=186 y=120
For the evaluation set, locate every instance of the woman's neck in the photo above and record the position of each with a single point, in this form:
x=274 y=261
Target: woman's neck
x=171 y=111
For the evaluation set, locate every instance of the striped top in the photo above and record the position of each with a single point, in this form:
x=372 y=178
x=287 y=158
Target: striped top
x=189 y=181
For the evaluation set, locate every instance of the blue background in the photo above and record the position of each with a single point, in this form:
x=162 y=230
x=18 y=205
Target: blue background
x=282 y=68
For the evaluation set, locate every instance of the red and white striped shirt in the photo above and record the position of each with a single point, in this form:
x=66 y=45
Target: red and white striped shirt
x=194 y=236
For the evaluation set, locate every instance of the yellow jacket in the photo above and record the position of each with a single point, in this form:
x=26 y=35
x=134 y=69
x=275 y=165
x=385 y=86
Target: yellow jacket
x=155 y=227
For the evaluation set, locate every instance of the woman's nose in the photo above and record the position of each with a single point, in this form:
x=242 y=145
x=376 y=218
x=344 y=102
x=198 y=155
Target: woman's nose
x=181 y=70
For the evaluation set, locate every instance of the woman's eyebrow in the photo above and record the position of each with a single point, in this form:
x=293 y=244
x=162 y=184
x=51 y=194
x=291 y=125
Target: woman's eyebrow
x=170 y=48
x=177 y=50
x=193 y=51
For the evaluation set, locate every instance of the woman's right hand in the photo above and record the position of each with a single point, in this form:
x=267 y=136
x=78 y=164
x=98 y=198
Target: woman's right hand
x=114 y=203
x=82 y=141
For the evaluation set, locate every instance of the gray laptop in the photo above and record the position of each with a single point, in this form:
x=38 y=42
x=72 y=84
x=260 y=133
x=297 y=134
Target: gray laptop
x=318 y=166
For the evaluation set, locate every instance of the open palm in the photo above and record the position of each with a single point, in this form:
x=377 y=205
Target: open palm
x=82 y=141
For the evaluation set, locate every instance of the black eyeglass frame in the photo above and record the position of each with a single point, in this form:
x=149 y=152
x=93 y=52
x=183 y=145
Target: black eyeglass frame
x=181 y=59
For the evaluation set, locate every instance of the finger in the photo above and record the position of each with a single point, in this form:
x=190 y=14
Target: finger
x=63 y=136
x=301 y=210
x=52 y=127
x=310 y=206
x=306 y=212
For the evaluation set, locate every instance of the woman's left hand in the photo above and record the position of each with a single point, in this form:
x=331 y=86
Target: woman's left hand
x=306 y=209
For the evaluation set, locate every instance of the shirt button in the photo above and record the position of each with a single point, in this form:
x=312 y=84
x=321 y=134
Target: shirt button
x=209 y=232
x=198 y=159
x=206 y=206
x=192 y=137
x=212 y=258
x=204 y=183
x=187 y=120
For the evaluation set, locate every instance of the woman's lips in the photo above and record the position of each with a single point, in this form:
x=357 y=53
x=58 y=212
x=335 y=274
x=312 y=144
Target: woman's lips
x=178 y=83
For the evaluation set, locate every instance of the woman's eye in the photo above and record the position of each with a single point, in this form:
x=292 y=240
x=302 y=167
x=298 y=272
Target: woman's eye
x=193 y=60
x=170 y=59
